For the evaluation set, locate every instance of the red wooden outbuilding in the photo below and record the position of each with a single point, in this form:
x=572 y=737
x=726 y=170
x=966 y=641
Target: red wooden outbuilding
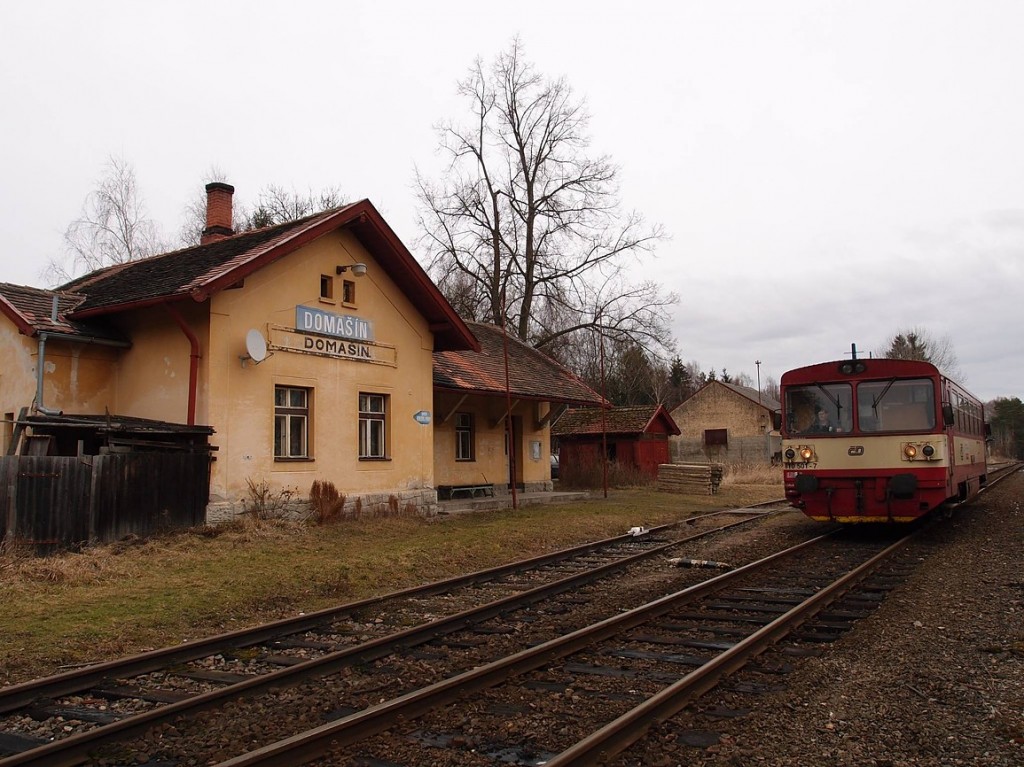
x=633 y=438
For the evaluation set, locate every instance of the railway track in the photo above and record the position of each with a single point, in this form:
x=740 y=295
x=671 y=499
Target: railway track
x=635 y=669
x=363 y=641
x=114 y=701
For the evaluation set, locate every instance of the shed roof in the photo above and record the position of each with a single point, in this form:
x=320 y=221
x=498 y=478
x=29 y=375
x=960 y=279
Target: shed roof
x=759 y=398
x=32 y=312
x=531 y=373
x=617 y=420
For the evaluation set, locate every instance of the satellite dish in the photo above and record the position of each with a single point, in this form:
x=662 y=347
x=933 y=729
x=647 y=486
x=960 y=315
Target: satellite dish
x=256 y=345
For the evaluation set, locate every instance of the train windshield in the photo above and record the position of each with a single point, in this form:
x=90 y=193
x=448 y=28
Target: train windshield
x=896 y=405
x=819 y=408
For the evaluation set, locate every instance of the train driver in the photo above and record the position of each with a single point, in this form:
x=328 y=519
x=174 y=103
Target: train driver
x=821 y=423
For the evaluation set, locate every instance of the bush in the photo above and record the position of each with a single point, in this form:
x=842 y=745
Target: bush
x=264 y=503
x=326 y=503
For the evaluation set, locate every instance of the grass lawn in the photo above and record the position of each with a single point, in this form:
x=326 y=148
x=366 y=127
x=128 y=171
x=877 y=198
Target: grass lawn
x=133 y=595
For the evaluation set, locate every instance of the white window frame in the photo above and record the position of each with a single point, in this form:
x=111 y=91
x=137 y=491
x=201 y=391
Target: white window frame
x=465 y=437
x=373 y=426
x=292 y=422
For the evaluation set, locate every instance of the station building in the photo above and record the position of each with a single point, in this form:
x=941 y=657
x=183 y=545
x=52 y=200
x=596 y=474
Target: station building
x=318 y=349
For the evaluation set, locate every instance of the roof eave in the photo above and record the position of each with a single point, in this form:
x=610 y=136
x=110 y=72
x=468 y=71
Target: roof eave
x=518 y=395
x=20 y=320
x=98 y=311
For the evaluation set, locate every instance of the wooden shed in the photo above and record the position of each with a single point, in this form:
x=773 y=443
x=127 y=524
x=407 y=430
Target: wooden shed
x=71 y=480
x=633 y=438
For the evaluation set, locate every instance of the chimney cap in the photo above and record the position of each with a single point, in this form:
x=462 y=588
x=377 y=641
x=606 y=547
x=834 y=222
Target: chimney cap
x=220 y=186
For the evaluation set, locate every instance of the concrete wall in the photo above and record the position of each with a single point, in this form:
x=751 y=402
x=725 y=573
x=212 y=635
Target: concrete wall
x=715 y=406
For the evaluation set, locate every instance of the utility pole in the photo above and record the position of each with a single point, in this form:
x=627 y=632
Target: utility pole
x=758 y=363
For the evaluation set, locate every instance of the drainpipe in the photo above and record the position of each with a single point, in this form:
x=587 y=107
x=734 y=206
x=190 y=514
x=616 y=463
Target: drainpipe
x=193 y=368
x=44 y=336
x=41 y=367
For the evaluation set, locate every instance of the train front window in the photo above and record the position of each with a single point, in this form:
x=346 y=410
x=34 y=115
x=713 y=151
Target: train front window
x=819 y=408
x=896 y=405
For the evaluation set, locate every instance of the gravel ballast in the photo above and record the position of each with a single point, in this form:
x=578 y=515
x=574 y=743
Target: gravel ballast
x=934 y=677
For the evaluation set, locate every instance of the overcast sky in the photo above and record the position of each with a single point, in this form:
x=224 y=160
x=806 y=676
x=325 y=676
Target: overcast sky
x=828 y=172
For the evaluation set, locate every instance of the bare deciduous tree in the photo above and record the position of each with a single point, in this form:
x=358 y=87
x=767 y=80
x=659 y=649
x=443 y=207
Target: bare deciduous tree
x=525 y=228
x=114 y=227
x=276 y=205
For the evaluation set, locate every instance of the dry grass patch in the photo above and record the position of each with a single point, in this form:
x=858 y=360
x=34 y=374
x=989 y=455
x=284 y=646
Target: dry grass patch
x=136 y=594
x=752 y=474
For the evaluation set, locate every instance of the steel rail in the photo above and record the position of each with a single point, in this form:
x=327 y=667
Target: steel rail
x=74 y=749
x=312 y=744
x=621 y=733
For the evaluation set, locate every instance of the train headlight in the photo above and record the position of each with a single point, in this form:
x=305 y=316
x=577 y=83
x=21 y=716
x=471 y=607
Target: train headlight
x=928 y=451
x=910 y=451
x=806 y=453
x=790 y=454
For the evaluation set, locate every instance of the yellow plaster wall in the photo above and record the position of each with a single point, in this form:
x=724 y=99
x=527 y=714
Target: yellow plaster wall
x=490 y=464
x=77 y=378
x=240 y=400
x=153 y=376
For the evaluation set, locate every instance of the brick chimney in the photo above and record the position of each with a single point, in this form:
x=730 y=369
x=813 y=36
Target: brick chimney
x=218 y=212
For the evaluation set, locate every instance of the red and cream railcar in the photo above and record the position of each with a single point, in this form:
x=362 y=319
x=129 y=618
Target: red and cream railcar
x=879 y=440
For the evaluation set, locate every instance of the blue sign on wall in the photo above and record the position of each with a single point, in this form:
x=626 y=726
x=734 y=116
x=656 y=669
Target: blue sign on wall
x=423 y=417
x=310 y=320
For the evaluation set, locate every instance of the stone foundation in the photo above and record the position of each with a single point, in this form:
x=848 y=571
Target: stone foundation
x=422 y=501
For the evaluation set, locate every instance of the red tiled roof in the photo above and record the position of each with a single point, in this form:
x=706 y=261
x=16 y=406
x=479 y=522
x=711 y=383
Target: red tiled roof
x=31 y=310
x=532 y=374
x=617 y=420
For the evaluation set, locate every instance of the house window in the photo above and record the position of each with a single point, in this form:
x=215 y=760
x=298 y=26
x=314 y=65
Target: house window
x=464 y=437
x=372 y=425
x=326 y=287
x=291 y=422
x=348 y=292
x=714 y=437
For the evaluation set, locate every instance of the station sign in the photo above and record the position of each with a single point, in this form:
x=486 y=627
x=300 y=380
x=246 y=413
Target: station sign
x=321 y=323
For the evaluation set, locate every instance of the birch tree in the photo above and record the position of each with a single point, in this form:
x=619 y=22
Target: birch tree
x=114 y=227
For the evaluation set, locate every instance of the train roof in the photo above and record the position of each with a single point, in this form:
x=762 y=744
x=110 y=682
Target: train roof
x=872 y=368
x=860 y=369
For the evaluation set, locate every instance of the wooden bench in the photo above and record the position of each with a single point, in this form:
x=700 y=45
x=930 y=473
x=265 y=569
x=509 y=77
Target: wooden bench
x=450 y=492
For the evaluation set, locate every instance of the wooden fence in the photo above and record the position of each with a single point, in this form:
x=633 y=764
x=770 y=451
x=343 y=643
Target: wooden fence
x=60 y=502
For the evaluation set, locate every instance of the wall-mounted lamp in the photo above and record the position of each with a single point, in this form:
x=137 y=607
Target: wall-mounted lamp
x=357 y=269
